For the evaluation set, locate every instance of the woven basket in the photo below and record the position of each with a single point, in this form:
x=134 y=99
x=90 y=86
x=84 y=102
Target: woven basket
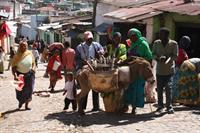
x=104 y=81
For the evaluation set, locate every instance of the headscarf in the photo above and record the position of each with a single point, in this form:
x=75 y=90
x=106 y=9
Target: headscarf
x=20 y=56
x=134 y=31
x=138 y=34
x=184 y=42
x=117 y=34
x=140 y=47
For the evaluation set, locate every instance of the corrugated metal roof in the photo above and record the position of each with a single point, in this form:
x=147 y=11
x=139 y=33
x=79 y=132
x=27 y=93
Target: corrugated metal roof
x=150 y=10
x=188 y=9
x=46 y=9
x=134 y=14
x=164 y=4
x=128 y=3
x=44 y=27
x=141 y=17
x=126 y=13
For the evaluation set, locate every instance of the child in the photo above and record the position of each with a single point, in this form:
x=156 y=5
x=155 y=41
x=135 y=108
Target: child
x=54 y=69
x=70 y=89
x=35 y=54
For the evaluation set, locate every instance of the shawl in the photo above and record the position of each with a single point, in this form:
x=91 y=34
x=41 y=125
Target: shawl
x=20 y=56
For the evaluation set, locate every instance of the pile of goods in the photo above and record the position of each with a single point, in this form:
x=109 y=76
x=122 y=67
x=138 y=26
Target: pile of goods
x=104 y=79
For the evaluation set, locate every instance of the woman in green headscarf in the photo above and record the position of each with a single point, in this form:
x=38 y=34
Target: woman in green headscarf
x=134 y=95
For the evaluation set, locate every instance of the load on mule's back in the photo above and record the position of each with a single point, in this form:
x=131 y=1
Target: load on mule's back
x=113 y=82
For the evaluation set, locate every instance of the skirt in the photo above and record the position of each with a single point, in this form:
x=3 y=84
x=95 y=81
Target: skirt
x=134 y=95
x=26 y=94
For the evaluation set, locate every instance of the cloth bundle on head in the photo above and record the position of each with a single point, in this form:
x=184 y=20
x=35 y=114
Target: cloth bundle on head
x=88 y=35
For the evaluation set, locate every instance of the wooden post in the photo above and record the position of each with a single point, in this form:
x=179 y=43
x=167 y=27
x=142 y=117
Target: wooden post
x=14 y=6
x=94 y=13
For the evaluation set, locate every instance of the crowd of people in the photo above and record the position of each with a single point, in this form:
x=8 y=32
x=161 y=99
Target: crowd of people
x=174 y=69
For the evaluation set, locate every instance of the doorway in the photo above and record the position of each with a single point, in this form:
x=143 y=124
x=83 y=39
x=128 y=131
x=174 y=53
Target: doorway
x=193 y=31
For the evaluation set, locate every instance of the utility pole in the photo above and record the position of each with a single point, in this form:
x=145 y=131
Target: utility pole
x=94 y=12
x=14 y=6
x=37 y=36
x=36 y=13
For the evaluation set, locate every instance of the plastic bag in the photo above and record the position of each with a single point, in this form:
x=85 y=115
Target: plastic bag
x=20 y=83
x=56 y=64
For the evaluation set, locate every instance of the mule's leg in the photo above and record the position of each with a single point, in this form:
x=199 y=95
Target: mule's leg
x=84 y=86
x=82 y=79
x=82 y=93
x=80 y=99
x=80 y=106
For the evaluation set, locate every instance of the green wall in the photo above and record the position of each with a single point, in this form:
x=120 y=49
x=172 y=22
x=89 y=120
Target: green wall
x=156 y=26
x=170 y=19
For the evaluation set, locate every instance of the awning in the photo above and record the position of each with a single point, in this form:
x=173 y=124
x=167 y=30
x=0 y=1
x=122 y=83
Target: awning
x=45 y=27
x=102 y=28
x=4 y=14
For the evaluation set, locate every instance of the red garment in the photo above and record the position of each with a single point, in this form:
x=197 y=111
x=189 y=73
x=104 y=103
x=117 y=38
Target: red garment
x=182 y=56
x=68 y=58
x=128 y=42
x=4 y=30
x=35 y=45
x=50 y=66
x=20 y=83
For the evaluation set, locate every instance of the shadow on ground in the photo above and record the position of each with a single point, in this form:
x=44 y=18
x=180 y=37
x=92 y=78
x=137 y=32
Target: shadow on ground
x=4 y=114
x=183 y=107
x=100 y=118
x=12 y=111
x=186 y=108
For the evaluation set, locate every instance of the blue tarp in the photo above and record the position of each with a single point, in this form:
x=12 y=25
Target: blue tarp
x=102 y=28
